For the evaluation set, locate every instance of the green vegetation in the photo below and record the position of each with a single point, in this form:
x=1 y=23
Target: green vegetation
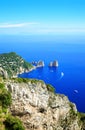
x=20 y=80
x=2 y=86
x=81 y=117
x=36 y=81
x=13 y=63
x=13 y=123
x=7 y=122
x=5 y=97
x=73 y=114
x=69 y=119
x=26 y=80
x=50 y=88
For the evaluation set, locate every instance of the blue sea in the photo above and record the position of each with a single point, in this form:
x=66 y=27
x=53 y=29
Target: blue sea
x=68 y=78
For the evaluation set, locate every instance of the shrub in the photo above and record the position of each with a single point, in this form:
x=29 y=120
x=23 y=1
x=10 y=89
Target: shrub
x=2 y=86
x=5 y=99
x=50 y=88
x=81 y=117
x=72 y=112
x=21 y=80
x=13 y=123
x=1 y=78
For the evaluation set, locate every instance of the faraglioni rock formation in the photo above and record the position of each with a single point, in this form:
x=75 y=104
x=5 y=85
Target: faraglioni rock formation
x=38 y=64
x=53 y=64
x=40 y=108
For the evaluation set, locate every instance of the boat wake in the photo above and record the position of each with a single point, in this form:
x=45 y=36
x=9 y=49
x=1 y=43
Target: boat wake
x=61 y=75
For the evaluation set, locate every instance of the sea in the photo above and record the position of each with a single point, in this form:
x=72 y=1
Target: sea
x=68 y=78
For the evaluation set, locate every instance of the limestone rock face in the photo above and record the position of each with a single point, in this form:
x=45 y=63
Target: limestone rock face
x=40 y=109
x=40 y=64
x=53 y=64
x=3 y=73
x=34 y=63
x=50 y=64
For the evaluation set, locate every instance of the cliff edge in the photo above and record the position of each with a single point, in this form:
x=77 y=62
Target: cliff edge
x=40 y=108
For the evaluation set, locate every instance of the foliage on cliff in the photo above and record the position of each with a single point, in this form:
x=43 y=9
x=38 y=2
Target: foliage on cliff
x=5 y=97
x=13 y=63
x=13 y=123
x=7 y=121
x=50 y=88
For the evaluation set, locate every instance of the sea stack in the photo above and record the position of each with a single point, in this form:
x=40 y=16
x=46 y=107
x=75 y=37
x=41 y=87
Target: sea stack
x=53 y=64
x=34 y=63
x=40 y=64
x=50 y=64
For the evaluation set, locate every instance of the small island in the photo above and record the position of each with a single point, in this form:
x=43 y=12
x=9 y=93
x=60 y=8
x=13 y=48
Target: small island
x=53 y=64
x=38 y=64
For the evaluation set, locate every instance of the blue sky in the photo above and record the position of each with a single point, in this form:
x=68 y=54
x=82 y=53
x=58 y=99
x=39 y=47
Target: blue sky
x=45 y=17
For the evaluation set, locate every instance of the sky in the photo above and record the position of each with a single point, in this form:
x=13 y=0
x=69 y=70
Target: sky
x=42 y=17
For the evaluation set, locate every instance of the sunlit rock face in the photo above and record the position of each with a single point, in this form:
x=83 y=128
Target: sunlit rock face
x=40 y=109
x=50 y=64
x=53 y=64
x=3 y=73
x=40 y=64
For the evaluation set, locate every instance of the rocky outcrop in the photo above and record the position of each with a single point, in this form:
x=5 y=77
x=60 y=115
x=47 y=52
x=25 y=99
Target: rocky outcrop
x=50 y=64
x=53 y=64
x=39 y=108
x=3 y=73
x=40 y=64
x=34 y=63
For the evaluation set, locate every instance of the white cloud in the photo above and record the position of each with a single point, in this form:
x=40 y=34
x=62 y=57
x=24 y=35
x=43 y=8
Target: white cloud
x=7 y=25
x=28 y=28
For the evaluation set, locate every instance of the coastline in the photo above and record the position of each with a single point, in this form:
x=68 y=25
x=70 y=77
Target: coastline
x=25 y=71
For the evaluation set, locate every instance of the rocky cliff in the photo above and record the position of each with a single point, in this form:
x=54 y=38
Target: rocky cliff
x=3 y=73
x=40 y=108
